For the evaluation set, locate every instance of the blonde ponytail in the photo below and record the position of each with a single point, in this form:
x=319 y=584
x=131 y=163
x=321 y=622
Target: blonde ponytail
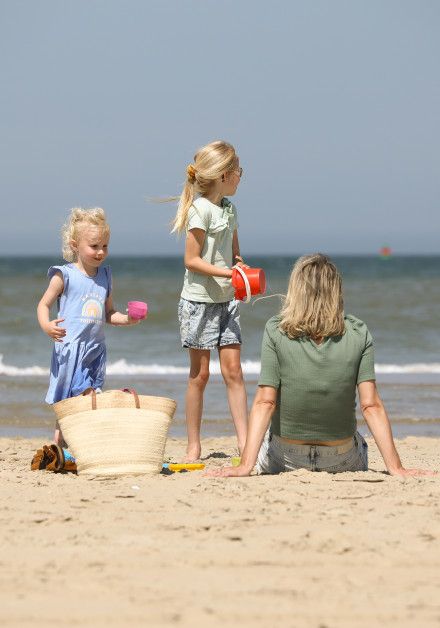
x=210 y=163
x=186 y=199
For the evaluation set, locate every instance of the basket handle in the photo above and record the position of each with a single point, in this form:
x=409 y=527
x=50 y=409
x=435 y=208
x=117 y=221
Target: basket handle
x=129 y=390
x=135 y=395
x=92 y=392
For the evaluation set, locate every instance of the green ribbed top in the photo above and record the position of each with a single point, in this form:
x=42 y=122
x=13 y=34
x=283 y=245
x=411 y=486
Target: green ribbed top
x=316 y=383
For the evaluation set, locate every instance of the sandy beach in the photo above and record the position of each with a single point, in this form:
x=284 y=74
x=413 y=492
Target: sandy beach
x=299 y=549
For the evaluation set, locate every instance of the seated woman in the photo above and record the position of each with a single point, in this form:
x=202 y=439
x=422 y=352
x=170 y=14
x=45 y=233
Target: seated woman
x=312 y=359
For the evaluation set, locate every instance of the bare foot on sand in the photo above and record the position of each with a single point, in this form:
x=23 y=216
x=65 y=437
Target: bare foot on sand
x=193 y=453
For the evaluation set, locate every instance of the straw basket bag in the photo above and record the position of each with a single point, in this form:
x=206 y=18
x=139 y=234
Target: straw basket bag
x=116 y=432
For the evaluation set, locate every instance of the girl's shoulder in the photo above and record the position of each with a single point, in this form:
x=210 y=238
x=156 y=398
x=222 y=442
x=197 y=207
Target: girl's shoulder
x=199 y=214
x=212 y=218
x=69 y=273
x=108 y=273
x=201 y=206
x=104 y=277
x=62 y=269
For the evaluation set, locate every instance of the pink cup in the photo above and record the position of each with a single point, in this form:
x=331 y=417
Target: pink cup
x=137 y=309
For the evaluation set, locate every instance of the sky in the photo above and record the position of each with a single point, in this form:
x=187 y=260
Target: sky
x=333 y=107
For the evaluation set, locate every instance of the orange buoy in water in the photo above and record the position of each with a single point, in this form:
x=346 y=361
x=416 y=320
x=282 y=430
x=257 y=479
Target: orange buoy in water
x=385 y=252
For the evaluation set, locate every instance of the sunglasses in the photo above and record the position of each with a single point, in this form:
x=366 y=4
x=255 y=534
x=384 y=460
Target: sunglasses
x=238 y=171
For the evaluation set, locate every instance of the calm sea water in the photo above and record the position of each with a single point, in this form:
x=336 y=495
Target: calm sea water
x=398 y=298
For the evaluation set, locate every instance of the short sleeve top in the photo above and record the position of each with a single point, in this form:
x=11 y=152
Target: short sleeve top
x=316 y=384
x=219 y=224
x=82 y=302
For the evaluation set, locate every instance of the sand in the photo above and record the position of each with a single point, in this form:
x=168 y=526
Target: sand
x=299 y=549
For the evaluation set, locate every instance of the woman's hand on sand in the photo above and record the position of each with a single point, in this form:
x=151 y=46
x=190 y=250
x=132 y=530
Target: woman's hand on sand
x=228 y=472
x=411 y=472
x=55 y=332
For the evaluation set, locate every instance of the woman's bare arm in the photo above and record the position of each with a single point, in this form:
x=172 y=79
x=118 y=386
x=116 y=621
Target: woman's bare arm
x=379 y=425
x=259 y=419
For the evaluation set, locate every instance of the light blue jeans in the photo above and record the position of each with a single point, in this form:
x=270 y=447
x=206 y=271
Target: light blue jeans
x=276 y=456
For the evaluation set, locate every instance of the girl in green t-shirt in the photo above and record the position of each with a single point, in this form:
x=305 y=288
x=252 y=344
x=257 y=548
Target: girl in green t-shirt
x=208 y=312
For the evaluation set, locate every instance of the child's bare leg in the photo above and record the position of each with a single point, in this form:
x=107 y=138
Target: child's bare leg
x=230 y=365
x=58 y=437
x=198 y=378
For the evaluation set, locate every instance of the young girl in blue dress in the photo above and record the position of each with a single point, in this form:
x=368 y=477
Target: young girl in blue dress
x=208 y=311
x=83 y=290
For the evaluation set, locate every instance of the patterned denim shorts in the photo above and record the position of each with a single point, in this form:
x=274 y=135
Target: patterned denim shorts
x=209 y=325
x=277 y=456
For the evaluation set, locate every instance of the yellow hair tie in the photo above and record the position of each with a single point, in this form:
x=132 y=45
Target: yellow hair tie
x=191 y=172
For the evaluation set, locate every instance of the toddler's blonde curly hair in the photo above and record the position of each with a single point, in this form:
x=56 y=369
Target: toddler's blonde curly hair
x=80 y=217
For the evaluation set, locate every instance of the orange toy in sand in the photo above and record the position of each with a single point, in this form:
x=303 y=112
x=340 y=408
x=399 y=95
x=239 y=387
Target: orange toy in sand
x=248 y=282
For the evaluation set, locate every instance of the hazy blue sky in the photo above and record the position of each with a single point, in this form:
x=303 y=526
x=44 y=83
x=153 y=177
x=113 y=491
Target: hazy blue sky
x=333 y=106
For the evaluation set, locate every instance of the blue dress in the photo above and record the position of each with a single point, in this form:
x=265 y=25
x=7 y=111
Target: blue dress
x=78 y=362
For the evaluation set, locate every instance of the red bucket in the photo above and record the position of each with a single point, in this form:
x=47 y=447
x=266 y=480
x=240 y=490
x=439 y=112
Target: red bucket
x=248 y=282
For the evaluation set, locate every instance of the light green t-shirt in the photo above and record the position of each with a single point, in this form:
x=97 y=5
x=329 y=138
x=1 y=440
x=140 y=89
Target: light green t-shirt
x=219 y=224
x=316 y=383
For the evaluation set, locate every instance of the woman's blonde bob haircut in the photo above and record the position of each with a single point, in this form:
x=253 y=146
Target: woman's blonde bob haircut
x=81 y=217
x=314 y=305
x=210 y=163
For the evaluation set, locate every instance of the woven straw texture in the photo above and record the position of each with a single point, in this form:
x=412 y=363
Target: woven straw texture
x=116 y=437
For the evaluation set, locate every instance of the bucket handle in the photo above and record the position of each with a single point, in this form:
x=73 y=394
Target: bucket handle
x=129 y=390
x=246 y=283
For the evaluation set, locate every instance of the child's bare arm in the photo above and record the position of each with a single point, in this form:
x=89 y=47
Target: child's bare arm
x=113 y=317
x=193 y=261
x=236 y=257
x=54 y=289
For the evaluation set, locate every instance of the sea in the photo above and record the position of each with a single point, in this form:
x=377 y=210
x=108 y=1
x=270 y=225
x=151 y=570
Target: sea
x=398 y=297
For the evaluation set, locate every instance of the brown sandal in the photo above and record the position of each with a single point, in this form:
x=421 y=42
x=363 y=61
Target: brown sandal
x=40 y=460
x=51 y=458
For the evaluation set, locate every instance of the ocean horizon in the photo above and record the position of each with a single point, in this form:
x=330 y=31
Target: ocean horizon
x=397 y=297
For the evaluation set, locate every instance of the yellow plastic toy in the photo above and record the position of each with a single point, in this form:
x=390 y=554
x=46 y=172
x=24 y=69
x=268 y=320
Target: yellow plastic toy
x=178 y=467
